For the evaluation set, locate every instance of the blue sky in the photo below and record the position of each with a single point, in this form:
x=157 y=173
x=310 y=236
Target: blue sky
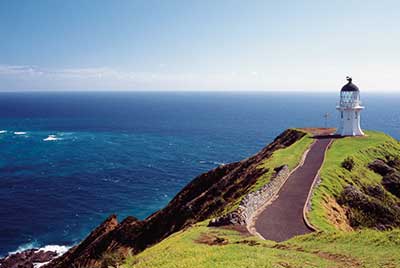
x=199 y=45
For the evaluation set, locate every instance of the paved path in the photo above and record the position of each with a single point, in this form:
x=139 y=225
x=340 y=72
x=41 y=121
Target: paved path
x=283 y=218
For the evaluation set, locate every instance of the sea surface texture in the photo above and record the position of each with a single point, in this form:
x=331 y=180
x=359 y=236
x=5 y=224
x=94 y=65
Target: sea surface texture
x=68 y=160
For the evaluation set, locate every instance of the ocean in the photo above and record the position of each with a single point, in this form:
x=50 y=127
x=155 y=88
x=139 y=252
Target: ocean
x=68 y=160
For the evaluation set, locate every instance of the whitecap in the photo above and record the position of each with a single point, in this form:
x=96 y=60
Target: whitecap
x=55 y=248
x=212 y=163
x=3 y=131
x=60 y=250
x=52 y=138
x=24 y=247
x=19 y=133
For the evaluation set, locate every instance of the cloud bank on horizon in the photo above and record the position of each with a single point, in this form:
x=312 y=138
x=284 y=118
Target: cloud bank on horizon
x=198 y=45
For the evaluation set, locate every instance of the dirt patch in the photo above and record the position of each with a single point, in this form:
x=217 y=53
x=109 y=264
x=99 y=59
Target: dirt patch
x=211 y=240
x=284 y=264
x=336 y=215
x=251 y=243
x=241 y=229
x=282 y=247
x=343 y=260
x=347 y=261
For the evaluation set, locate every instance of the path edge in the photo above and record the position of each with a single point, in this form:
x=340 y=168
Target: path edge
x=307 y=204
x=250 y=226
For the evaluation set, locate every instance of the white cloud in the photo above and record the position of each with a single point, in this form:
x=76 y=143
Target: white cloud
x=18 y=70
x=26 y=77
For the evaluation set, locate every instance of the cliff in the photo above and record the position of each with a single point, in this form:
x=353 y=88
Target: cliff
x=207 y=195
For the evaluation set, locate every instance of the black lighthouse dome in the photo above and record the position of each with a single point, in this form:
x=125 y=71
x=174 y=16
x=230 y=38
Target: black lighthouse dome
x=350 y=87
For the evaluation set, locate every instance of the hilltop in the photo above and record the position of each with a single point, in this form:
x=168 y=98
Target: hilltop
x=353 y=208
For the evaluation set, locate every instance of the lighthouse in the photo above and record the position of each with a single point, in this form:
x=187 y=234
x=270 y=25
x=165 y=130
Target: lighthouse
x=349 y=110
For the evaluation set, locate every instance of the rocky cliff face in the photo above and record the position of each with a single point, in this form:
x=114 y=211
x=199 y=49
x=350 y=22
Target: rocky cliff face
x=204 y=197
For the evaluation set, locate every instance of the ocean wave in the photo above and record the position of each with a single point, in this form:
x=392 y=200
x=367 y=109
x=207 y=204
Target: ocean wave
x=212 y=163
x=3 y=131
x=52 y=138
x=19 y=133
x=60 y=250
x=24 y=247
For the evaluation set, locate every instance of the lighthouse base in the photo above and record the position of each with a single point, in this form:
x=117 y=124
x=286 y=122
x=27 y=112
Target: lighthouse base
x=349 y=121
x=350 y=133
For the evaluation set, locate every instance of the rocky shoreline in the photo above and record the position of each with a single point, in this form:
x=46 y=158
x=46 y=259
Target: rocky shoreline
x=29 y=258
x=32 y=258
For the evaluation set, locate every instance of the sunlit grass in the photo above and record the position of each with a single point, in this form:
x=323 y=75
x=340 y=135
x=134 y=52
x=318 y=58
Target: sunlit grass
x=334 y=177
x=328 y=248
x=290 y=156
x=366 y=248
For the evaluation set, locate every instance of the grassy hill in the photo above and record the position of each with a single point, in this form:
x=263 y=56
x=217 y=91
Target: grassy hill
x=200 y=246
x=326 y=214
x=343 y=239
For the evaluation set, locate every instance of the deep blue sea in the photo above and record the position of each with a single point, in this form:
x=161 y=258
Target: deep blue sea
x=68 y=160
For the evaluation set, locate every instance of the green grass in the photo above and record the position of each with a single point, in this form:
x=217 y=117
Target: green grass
x=290 y=156
x=356 y=249
x=182 y=250
x=370 y=248
x=328 y=248
x=334 y=177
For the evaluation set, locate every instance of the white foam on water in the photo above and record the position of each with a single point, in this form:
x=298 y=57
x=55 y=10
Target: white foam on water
x=54 y=248
x=60 y=250
x=24 y=247
x=19 y=133
x=52 y=138
x=39 y=264
x=212 y=162
x=3 y=131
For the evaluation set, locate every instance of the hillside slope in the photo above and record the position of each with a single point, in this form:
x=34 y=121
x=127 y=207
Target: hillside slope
x=359 y=188
x=208 y=195
x=201 y=246
x=347 y=178
x=354 y=205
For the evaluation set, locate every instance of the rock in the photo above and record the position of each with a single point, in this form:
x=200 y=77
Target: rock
x=27 y=258
x=90 y=246
x=233 y=218
x=376 y=191
x=254 y=200
x=380 y=167
x=393 y=162
x=368 y=211
x=391 y=182
x=391 y=176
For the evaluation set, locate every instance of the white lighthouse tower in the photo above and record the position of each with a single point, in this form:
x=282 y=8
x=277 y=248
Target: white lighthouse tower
x=349 y=110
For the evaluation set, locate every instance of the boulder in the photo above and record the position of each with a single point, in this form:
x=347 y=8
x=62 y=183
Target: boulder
x=368 y=211
x=391 y=182
x=380 y=167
